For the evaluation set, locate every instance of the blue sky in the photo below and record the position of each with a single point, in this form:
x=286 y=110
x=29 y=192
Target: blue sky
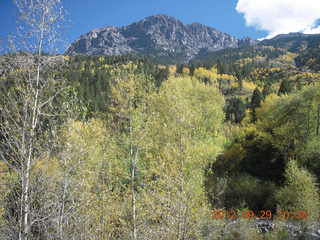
x=239 y=18
x=85 y=15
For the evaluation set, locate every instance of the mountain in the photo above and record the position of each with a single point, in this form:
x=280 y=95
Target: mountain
x=160 y=37
x=290 y=50
x=293 y=42
x=307 y=46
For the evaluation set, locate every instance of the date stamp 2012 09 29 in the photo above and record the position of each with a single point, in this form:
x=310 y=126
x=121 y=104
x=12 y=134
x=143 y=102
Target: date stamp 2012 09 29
x=263 y=214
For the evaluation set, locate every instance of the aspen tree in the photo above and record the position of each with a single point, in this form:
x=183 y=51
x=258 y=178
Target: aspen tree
x=25 y=107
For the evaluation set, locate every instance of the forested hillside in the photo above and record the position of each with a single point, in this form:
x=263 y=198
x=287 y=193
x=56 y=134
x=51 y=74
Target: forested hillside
x=122 y=147
x=166 y=144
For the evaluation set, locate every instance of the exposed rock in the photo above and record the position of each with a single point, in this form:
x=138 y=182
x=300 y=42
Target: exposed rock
x=245 y=42
x=160 y=37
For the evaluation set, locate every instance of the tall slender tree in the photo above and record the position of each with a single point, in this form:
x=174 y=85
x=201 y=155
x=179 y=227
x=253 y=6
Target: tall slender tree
x=256 y=100
x=25 y=107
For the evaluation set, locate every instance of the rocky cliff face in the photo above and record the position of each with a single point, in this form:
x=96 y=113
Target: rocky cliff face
x=160 y=37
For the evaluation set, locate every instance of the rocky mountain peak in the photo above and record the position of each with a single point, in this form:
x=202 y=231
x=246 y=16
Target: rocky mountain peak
x=161 y=37
x=161 y=17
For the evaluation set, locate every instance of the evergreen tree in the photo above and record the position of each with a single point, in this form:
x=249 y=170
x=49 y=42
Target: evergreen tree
x=220 y=67
x=161 y=75
x=266 y=90
x=240 y=81
x=255 y=103
x=256 y=99
x=179 y=69
x=192 y=68
x=285 y=87
x=235 y=110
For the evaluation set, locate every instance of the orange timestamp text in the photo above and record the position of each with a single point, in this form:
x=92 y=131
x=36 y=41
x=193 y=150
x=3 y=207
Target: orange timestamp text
x=262 y=214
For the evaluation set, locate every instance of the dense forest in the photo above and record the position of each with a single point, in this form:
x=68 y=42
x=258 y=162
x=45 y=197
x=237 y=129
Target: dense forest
x=121 y=147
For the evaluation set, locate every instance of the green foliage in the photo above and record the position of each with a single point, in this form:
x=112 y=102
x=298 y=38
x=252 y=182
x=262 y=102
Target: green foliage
x=246 y=191
x=172 y=134
x=92 y=78
x=285 y=87
x=192 y=68
x=294 y=42
x=255 y=103
x=183 y=123
x=309 y=58
x=235 y=110
x=300 y=192
x=179 y=68
x=256 y=98
x=286 y=127
x=252 y=168
x=266 y=90
x=292 y=122
x=242 y=229
x=122 y=113
x=227 y=58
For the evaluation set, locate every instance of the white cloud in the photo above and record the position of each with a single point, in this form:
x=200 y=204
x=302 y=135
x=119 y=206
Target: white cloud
x=281 y=16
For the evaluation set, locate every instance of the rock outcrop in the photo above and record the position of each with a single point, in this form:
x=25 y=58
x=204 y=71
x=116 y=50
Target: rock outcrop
x=160 y=37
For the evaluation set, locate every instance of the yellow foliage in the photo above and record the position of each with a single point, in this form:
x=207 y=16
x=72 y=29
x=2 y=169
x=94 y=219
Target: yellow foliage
x=288 y=57
x=263 y=111
x=186 y=71
x=243 y=61
x=249 y=86
x=101 y=59
x=66 y=58
x=203 y=73
x=183 y=106
x=172 y=69
x=50 y=166
x=227 y=77
x=3 y=175
x=162 y=66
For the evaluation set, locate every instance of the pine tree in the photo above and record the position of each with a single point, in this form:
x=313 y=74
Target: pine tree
x=192 y=68
x=235 y=110
x=256 y=100
x=179 y=68
x=266 y=90
x=285 y=87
